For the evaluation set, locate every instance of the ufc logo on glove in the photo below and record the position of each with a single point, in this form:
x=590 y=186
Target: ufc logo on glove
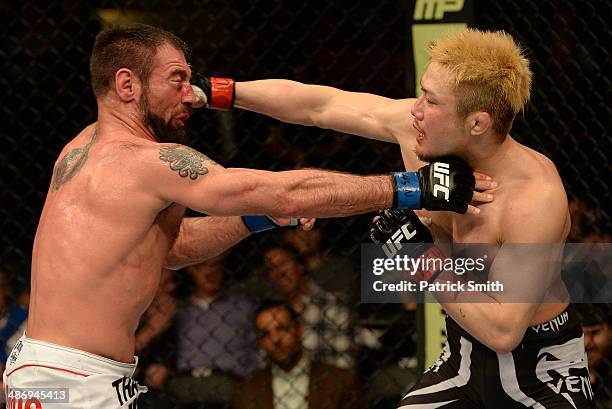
x=392 y=245
x=441 y=173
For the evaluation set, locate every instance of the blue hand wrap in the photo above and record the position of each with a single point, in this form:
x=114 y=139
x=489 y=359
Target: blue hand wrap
x=258 y=224
x=407 y=191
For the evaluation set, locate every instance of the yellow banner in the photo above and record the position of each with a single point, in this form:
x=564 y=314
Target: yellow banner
x=433 y=19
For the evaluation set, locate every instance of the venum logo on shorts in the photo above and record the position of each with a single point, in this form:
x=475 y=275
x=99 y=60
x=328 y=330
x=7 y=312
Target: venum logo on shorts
x=553 y=325
x=127 y=392
x=442 y=172
x=563 y=369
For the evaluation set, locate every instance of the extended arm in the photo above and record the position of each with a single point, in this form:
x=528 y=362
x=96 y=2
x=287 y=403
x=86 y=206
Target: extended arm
x=178 y=174
x=299 y=193
x=363 y=114
x=367 y=115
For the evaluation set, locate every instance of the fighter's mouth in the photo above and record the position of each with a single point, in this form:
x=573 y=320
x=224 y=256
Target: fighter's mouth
x=420 y=133
x=182 y=118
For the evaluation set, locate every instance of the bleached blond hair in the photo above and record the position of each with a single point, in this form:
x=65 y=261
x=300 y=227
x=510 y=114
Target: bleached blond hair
x=491 y=74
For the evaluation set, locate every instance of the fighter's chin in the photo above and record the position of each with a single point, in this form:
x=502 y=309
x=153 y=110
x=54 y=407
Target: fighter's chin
x=165 y=132
x=426 y=156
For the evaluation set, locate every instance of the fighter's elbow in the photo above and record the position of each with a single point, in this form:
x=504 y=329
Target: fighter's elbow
x=504 y=343
x=175 y=259
x=507 y=326
x=173 y=262
x=320 y=117
x=505 y=338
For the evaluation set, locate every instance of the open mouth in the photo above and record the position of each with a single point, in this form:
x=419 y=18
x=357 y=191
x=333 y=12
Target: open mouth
x=181 y=119
x=420 y=134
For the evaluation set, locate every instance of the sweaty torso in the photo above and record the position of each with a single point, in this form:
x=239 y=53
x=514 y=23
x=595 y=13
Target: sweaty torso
x=99 y=249
x=530 y=168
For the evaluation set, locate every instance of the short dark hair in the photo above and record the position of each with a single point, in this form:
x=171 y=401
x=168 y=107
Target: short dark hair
x=129 y=46
x=270 y=303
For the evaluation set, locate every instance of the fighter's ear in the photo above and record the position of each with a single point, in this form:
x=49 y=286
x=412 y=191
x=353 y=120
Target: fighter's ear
x=127 y=85
x=479 y=122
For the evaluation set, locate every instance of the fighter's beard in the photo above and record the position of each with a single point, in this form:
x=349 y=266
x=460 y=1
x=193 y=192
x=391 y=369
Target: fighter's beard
x=163 y=131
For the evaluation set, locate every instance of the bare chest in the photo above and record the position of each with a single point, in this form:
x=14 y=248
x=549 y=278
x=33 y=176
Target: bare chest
x=483 y=228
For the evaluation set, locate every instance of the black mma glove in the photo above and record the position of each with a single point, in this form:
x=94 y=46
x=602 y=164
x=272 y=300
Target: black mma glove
x=445 y=184
x=214 y=93
x=404 y=226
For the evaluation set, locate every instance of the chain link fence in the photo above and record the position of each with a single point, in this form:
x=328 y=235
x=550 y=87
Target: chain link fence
x=354 y=45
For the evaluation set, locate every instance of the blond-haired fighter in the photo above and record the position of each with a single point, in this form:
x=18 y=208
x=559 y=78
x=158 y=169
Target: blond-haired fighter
x=498 y=353
x=113 y=217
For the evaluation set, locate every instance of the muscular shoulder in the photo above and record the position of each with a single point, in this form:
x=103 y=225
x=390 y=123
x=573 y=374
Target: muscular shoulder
x=186 y=161
x=538 y=181
x=157 y=173
x=150 y=158
x=535 y=206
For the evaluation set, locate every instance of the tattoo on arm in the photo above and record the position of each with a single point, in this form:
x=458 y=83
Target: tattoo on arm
x=462 y=313
x=187 y=161
x=71 y=163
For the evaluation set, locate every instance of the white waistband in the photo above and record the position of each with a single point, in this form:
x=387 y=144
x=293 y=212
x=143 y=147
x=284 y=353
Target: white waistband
x=35 y=352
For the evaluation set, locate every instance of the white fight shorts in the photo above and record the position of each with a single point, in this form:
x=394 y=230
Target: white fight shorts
x=40 y=375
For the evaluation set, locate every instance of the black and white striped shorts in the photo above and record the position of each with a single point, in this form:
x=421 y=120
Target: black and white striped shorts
x=547 y=370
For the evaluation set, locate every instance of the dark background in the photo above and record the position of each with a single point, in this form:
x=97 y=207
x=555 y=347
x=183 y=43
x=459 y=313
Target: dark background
x=354 y=45
x=358 y=45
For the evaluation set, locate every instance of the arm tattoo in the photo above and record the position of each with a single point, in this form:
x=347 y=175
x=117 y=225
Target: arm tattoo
x=71 y=163
x=187 y=161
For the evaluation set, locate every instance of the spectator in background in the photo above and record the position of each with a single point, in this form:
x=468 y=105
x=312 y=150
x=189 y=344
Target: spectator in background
x=597 y=327
x=328 y=329
x=216 y=340
x=293 y=379
x=333 y=272
x=155 y=344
